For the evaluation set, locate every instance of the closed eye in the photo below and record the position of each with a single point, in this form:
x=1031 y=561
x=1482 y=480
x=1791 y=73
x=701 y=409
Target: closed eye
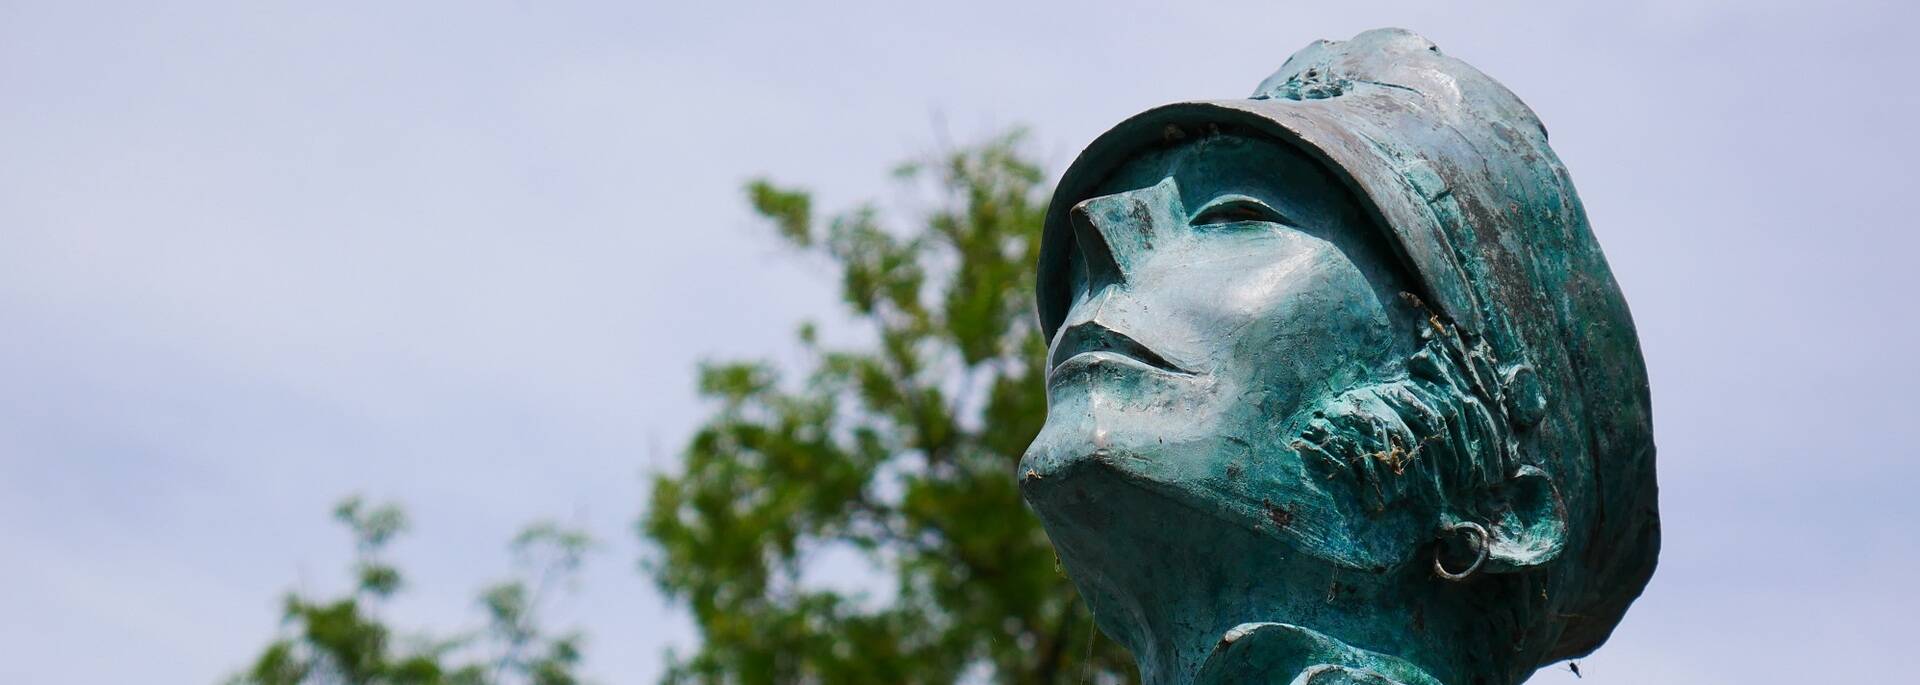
x=1228 y=209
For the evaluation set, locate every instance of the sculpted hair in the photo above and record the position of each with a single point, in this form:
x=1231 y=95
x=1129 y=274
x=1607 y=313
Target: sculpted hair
x=1438 y=434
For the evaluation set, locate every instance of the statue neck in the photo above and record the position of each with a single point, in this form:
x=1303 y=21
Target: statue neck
x=1305 y=613
x=1170 y=582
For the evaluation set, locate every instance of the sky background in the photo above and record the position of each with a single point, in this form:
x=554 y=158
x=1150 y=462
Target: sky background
x=255 y=256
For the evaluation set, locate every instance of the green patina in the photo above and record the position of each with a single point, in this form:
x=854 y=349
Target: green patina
x=1341 y=389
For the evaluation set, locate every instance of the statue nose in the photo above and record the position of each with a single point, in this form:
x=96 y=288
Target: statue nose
x=1116 y=232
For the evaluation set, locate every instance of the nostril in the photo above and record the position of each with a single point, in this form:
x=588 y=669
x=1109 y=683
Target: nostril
x=1102 y=269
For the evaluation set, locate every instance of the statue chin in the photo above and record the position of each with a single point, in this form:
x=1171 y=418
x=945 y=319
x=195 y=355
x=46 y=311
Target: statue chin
x=1203 y=458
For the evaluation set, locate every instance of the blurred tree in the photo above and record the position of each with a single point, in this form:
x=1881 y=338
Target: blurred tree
x=344 y=640
x=903 y=449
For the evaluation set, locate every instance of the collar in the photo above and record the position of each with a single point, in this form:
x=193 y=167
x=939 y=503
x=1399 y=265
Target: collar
x=1272 y=653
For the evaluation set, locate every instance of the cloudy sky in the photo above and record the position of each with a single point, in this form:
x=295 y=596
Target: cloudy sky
x=255 y=256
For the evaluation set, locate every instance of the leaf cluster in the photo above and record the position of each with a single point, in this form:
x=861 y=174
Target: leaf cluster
x=346 y=640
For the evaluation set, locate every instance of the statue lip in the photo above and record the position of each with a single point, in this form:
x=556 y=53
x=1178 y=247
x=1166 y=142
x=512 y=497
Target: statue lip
x=1088 y=343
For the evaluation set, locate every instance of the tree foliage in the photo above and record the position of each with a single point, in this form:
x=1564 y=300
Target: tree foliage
x=903 y=449
x=345 y=639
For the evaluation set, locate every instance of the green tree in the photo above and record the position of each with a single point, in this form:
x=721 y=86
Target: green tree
x=345 y=640
x=903 y=449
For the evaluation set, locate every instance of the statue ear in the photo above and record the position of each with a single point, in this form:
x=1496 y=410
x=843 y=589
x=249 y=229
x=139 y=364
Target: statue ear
x=1528 y=524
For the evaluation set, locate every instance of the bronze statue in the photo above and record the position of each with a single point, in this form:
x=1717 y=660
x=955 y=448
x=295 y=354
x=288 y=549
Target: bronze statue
x=1341 y=389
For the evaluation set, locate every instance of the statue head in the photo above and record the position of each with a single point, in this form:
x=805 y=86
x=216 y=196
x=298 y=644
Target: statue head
x=1343 y=359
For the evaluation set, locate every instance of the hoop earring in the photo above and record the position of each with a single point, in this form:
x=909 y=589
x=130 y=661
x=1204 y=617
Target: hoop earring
x=1479 y=542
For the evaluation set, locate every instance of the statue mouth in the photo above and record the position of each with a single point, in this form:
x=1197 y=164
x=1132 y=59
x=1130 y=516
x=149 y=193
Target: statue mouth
x=1091 y=344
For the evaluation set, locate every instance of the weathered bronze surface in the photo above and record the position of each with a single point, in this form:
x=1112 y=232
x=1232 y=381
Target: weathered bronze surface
x=1341 y=388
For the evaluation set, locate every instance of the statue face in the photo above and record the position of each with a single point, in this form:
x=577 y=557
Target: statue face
x=1221 y=288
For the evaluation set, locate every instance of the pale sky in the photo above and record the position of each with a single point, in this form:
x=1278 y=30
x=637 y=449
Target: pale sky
x=255 y=256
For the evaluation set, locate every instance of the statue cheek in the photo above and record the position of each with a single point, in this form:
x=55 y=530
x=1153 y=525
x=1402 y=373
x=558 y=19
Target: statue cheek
x=1322 y=329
